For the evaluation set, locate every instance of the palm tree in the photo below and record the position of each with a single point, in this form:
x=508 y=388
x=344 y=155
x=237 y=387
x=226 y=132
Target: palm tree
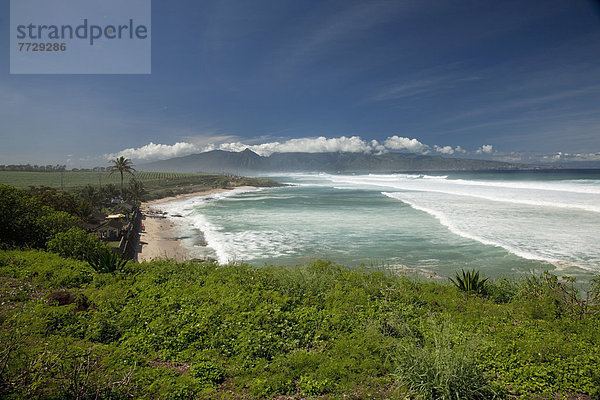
x=121 y=164
x=135 y=191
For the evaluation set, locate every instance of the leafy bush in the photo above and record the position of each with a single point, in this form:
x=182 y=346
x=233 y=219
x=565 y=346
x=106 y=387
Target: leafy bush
x=24 y=221
x=595 y=289
x=442 y=369
x=548 y=296
x=57 y=199
x=46 y=270
x=311 y=387
x=533 y=359
x=503 y=290
x=76 y=243
x=207 y=373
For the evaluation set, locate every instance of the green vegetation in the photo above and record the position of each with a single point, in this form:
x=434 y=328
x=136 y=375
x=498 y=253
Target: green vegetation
x=76 y=243
x=34 y=168
x=25 y=221
x=200 y=330
x=156 y=182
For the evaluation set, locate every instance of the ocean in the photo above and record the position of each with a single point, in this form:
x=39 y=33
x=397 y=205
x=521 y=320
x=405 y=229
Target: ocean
x=502 y=223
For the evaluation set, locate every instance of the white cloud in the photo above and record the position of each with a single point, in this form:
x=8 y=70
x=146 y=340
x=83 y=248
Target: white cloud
x=403 y=143
x=378 y=147
x=151 y=151
x=320 y=144
x=587 y=156
x=352 y=144
x=485 y=149
x=449 y=150
x=444 y=150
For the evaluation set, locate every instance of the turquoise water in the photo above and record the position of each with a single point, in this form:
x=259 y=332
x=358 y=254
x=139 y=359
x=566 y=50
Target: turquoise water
x=501 y=223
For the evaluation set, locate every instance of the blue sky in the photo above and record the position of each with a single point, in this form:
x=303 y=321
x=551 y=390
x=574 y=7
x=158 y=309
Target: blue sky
x=516 y=80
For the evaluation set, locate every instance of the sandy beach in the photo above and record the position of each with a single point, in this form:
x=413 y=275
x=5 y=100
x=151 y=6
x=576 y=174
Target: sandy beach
x=158 y=238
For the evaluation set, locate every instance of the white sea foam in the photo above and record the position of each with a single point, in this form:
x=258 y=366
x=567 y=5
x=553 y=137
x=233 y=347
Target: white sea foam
x=447 y=222
x=522 y=217
x=261 y=198
x=560 y=186
x=534 y=194
x=231 y=245
x=245 y=245
x=565 y=238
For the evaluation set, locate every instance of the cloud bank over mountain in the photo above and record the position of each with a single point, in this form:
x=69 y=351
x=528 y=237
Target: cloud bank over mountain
x=321 y=144
x=353 y=144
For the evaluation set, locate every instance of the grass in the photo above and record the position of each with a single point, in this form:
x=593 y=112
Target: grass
x=199 y=330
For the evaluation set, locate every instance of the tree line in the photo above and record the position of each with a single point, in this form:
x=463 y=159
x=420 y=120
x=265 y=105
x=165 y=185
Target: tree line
x=47 y=168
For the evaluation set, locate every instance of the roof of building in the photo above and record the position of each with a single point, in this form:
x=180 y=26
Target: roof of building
x=112 y=223
x=115 y=216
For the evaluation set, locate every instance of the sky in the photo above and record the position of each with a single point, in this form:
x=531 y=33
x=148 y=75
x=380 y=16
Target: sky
x=507 y=80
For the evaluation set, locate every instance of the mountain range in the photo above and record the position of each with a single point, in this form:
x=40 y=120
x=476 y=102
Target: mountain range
x=247 y=161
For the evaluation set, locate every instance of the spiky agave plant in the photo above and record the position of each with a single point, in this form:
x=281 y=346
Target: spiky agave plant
x=468 y=281
x=107 y=261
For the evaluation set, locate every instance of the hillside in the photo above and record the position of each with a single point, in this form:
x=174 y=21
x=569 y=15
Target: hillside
x=203 y=331
x=249 y=161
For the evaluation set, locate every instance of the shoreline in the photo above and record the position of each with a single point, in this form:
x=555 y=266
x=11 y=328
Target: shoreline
x=158 y=239
x=194 y=194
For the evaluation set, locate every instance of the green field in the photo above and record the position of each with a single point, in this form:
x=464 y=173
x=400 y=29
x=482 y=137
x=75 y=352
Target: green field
x=157 y=184
x=74 y=179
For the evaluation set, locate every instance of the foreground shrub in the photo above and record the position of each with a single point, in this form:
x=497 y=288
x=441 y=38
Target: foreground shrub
x=76 y=243
x=44 y=269
x=63 y=368
x=25 y=222
x=503 y=290
x=442 y=368
x=207 y=373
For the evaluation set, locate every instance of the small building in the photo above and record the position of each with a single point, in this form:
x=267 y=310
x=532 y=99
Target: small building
x=110 y=230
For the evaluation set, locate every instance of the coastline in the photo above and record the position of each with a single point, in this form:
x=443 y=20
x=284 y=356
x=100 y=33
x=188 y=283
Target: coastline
x=194 y=194
x=158 y=239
